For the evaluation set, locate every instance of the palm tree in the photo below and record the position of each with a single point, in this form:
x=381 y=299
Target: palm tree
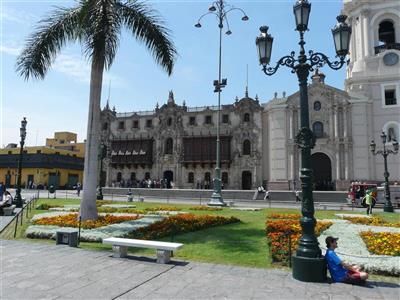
x=96 y=25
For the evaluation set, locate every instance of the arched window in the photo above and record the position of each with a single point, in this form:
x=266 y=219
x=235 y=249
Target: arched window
x=119 y=177
x=191 y=177
x=246 y=117
x=318 y=129
x=105 y=126
x=386 y=33
x=133 y=176
x=392 y=134
x=224 y=177
x=147 y=175
x=207 y=177
x=246 y=147
x=168 y=146
x=169 y=122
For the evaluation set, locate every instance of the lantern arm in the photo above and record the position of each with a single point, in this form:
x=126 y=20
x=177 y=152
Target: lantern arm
x=288 y=61
x=234 y=8
x=319 y=60
x=378 y=152
x=392 y=151
x=206 y=14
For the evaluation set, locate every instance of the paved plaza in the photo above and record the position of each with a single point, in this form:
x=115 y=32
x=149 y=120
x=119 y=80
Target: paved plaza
x=45 y=271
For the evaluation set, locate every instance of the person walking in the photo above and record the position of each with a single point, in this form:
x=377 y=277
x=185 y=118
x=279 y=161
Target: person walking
x=266 y=196
x=1 y=191
x=78 y=189
x=297 y=196
x=369 y=202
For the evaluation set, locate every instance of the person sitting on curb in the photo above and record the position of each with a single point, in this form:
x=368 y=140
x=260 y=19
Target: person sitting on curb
x=5 y=202
x=339 y=270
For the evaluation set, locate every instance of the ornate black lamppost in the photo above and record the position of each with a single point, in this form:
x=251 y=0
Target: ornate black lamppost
x=388 y=207
x=220 y=9
x=308 y=263
x=102 y=155
x=22 y=130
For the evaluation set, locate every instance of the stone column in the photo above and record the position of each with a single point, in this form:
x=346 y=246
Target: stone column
x=291 y=123
x=332 y=125
x=335 y=116
x=337 y=163
x=366 y=32
x=345 y=125
x=346 y=162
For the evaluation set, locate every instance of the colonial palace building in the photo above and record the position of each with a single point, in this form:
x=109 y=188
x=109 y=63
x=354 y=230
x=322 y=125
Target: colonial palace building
x=178 y=143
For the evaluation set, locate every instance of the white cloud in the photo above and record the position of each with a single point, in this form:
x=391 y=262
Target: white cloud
x=10 y=50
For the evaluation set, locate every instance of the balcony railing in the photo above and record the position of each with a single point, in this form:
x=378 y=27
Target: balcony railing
x=383 y=48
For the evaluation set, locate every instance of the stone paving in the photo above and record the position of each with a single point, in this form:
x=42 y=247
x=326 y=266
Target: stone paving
x=44 y=271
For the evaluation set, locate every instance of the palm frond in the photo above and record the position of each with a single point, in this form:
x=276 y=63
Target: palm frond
x=148 y=28
x=41 y=48
x=103 y=26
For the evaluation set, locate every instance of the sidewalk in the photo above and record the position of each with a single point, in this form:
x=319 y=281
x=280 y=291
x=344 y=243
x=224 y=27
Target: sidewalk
x=45 y=271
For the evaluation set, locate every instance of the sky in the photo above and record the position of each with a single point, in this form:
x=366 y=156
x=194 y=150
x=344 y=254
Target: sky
x=135 y=82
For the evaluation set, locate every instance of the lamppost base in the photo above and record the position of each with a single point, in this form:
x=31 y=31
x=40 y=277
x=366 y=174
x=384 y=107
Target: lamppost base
x=216 y=200
x=18 y=200
x=309 y=269
x=388 y=209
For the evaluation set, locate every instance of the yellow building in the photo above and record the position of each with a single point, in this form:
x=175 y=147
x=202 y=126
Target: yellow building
x=67 y=141
x=43 y=166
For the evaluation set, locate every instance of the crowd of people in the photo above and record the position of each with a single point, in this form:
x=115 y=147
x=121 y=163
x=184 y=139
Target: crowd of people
x=145 y=183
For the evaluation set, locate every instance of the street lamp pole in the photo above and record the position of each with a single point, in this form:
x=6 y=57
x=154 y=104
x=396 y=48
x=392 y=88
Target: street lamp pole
x=18 y=198
x=102 y=155
x=220 y=9
x=388 y=207
x=308 y=263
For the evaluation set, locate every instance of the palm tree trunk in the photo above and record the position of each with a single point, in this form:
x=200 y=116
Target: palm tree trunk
x=88 y=209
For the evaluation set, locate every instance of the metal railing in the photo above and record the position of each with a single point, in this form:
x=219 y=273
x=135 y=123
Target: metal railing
x=19 y=216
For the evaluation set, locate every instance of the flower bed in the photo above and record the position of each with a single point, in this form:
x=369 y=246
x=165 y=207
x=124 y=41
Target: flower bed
x=71 y=220
x=284 y=216
x=278 y=231
x=382 y=243
x=206 y=208
x=180 y=224
x=374 y=221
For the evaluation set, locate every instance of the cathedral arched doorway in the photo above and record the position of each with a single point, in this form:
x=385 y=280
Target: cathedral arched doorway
x=246 y=180
x=322 y=168
x=168 y=177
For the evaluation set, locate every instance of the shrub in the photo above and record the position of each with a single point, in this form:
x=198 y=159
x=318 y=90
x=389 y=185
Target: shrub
x=382 y=243
x=180 y=224
x=71 y=220
x=164 y=208
x=46 y=206
x=374 y=221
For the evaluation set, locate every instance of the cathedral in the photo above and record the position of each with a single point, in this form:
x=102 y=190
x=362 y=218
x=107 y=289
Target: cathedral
x=176 y=143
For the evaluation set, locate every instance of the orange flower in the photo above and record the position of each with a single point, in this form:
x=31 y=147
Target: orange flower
x=382 y=243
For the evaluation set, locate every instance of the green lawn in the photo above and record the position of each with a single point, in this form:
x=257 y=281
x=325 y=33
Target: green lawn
x=242 y=244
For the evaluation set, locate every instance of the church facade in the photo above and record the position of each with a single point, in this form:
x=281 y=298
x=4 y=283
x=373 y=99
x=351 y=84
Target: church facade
x=178 y=143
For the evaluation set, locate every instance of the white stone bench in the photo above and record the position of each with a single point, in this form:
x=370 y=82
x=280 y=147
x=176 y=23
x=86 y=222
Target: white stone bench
x=8 y=211
x=163 y=249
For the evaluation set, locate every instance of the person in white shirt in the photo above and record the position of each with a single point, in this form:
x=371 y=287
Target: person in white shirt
x=6 y=201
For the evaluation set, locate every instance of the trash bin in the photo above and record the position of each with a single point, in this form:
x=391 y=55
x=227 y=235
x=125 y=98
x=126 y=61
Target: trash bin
x=129 y=195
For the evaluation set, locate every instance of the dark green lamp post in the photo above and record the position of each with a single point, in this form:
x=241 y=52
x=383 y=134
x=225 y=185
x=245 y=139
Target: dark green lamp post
x=220 y=9
x=388 y=207
x=102 y=155
x=22 y=130
x=308 y=263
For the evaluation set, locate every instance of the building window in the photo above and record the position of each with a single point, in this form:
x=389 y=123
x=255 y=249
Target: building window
x=208 y=120
x=135 y=124
x=318 y=129
x=149 y=123
x=9 y=152
x=207 y=177
x=317 y=105
x=133 y=176
x=191 y=177
x=147 y=175
x=246 y=147
x=225 y=119
x=168 y=146
x=386 y=33
x=38 y=151
x=121 y=125
x=169 y=122
x=105 y=126
x=224 y=177
x=119 y=177
x=192 y=121
x=390 y=97
x=246 y=117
